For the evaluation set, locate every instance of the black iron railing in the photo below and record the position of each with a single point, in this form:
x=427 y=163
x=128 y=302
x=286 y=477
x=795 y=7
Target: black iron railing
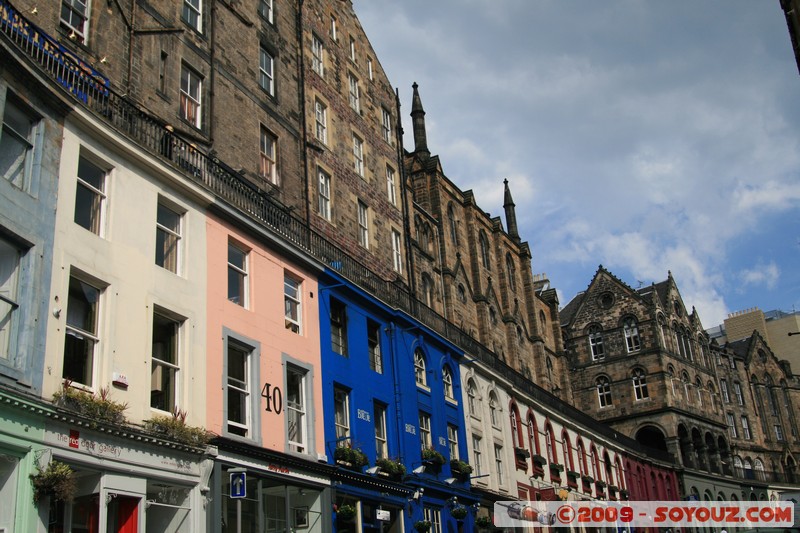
x=91 y=89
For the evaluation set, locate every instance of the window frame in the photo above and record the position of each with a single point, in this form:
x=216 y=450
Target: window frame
x=10 y=268
x=746 y=432
x=498 y=463
x=21 y=172
x=341 y=416
x=363 y=224
x=374 y=346
x=425 y=435
x=293 y=301
x=248 y=427
x=452 y=441
x=86 y=190
x=241 y=272
x=391 y=190
x=603 y=387
x=80 y=333
x=397 y=252
x=266 y=70
x=381 y=437
x=324 y=208
x=639 y=380
x=596 y=347
x=300 y=410
x=191 y=11
x=477 y=454
x=723 y=389
x=386 y=125
x=338 y=324
x=266 y=10
x=170 y=261
x=321 y=121
x=420 y=369
x=191 y=96
x=166 y=366
x=81 y=30
x=633 y=341
x=358 y=155
x=268 y=156
x=354 y=92
x=317 y=55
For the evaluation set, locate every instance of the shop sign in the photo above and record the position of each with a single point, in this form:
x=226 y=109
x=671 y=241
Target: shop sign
x=383 y=515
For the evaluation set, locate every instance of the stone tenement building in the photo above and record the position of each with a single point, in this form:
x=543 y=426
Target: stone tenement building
x=478 y=275
x=643 y=364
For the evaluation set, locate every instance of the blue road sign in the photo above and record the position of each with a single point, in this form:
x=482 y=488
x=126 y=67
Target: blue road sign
x=238 y=484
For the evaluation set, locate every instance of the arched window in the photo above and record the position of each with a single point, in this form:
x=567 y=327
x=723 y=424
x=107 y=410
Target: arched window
x=686 y=382
x=447 y=382
x=451 y=217
x=427 y=289
x=593 y=461
x=607 y=465
x=596 y=343
x=566 y=451
x=520 y=336
x=687 y=339
x=620 y=476
x=676 y=330
x=419 y=368
x=533 y=436
x=484 y=245
x=492 y=316
x=493 y=414
x=699 y=386
x=639 y=384
x=581 y=458
x=631 y=330
x=472 y=399
x=759 y=468
x=550 y=442
x=712 y=395
x=516 y=434
x=603 y=385
x=461 y=293
x=542 y=322
x=511 y=271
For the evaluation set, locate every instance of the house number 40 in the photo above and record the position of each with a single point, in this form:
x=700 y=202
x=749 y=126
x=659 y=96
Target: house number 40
x=273 y=397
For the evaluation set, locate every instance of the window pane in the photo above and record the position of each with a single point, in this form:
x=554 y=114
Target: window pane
x=167 y=238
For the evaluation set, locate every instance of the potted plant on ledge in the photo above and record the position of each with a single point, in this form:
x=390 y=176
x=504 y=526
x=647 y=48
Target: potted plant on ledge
x=433 y=458
x=345 y=513
x=350 y=457
x=393 y=469
x=460 y=469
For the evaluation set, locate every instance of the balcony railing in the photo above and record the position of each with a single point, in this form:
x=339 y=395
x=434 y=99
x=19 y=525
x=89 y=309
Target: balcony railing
x=91 y=89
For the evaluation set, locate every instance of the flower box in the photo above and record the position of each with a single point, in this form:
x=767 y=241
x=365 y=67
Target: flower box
x=555 y=467
x=521 y=452
x=392 y=469
x=350 y=457
x=539 y=460
x=460 y=469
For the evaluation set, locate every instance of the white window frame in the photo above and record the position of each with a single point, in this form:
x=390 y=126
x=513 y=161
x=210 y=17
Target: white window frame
x=191 y=101
x=160 y=365
x=420 y=374
x=338 y=324
x=353 y=50
x=293 y=305
x=386 y=125
x=321 y=121
x=391 y=190
x=324 y=194
x=317 y=55
x=596 y=343
x=723 y=388
x=746 y=428
x=341 y=416
x=170 y=244
x=447 y=383
x=242 y=387
x=334 y=32
x=434 y=516
x=81 y=28
x=640 y=391
x=493 y=410
x=193 y=9
x=80 y=333
x=354 y=93
x=731 y=420
x=266 y=10
x=268 y=164
x=452 y=441
x=632 y=340
x=477 y=454
x=472 y=399
x=242 y=271
x=425 y=437
x=363 y=224
x=737 y=391
x=498 y=463
x=397 y=258
x=369 y=69
x=266 y=70
x=358 y=155
x=381 y=440
x=297 y=409
x=603 y=386
x=97 y=193
x=374 y=346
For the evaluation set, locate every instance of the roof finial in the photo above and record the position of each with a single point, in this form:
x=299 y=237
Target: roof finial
x=511 y=214
x=418 y=120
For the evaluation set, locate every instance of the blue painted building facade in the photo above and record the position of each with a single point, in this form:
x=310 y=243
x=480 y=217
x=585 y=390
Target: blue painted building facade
x=391 y=390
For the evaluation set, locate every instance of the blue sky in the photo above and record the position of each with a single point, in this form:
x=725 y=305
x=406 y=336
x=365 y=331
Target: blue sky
x=641 y=135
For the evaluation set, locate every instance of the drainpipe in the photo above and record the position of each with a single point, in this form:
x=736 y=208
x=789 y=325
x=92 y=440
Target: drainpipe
x=398 y=393
x=302 y=93
x=211 y=75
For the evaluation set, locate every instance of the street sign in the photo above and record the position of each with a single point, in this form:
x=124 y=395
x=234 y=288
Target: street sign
x=383 y=514
x=238 y=484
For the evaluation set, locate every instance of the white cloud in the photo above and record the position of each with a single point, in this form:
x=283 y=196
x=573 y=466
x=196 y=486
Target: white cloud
x=762 y=275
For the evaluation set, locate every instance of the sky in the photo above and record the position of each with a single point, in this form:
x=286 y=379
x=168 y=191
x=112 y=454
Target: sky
x=645 y=136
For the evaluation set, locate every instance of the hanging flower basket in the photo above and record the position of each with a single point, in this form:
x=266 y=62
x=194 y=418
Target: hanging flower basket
x=460 y=469
x=345 y=513
x=56 y=480
x=459 y=512
x=422 y=526
x=539 y=460
x=484 y=522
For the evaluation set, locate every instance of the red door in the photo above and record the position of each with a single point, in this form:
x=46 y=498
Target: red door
x=127 y=518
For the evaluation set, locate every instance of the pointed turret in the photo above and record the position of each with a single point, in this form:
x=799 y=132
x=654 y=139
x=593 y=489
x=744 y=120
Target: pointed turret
x=418 y=119
x=511 y=214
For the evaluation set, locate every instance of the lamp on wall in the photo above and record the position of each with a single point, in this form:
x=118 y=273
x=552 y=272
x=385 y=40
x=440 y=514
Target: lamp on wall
x=419 y=470
x=373 y=470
